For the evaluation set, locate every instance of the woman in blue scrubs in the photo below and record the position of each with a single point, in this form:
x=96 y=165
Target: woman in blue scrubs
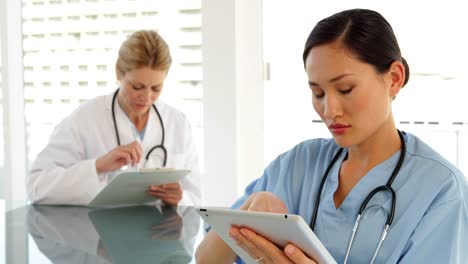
x=355 y=70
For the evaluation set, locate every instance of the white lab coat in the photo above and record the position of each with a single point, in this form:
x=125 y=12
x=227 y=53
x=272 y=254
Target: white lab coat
x=65 y=172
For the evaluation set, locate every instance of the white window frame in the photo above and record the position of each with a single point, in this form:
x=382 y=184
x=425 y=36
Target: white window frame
x=13 y=102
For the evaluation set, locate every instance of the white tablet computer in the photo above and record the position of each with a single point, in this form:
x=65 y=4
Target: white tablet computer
x=130 y=188
x=281 y=229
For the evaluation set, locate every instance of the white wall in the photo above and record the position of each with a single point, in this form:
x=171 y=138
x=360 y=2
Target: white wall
x=233 y=109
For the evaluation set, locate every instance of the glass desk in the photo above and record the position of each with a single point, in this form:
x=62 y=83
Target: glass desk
x=69 y=234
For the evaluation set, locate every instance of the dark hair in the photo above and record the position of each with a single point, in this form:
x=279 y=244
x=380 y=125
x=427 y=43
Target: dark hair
x=365 y=33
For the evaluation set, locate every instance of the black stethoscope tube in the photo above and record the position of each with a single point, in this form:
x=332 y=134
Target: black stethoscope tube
x=161 y=146
x=386 y=187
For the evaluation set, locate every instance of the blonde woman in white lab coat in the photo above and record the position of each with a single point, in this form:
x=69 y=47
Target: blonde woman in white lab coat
x=106 y=133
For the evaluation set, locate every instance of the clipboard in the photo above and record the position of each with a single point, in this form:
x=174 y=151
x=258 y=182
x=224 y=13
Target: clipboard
x=130 y=188
x=281 y=229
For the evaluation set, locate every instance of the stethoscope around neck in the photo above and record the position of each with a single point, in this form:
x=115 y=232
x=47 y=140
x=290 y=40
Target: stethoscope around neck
x=160 y=146
x=387 y=188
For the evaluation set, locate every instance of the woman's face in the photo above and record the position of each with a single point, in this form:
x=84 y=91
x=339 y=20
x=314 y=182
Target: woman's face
x=140 y=88
x=351 y=97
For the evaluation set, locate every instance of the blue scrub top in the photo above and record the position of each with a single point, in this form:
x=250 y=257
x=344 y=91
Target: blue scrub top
x=431 y=217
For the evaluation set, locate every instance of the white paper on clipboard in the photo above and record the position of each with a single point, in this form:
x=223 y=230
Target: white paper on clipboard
x=130 y=188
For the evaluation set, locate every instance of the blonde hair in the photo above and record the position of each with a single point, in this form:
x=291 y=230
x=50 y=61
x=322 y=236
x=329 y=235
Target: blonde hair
x=143 y=48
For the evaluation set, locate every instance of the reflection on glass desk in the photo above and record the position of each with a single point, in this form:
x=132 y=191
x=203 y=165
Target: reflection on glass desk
x=69 y=234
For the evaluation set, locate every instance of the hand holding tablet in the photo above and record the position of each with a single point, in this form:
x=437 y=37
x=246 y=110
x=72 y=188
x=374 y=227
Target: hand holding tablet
x=280 y=229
